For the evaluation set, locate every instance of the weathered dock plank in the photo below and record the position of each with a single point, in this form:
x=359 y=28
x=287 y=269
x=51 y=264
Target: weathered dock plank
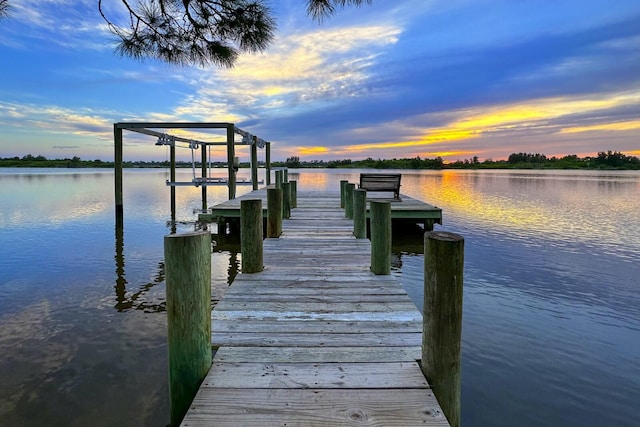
x=369 y=375
x=233 y=407
x=316 y=339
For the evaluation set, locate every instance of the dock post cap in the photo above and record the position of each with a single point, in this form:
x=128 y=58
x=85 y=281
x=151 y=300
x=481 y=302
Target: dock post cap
x=445 y=236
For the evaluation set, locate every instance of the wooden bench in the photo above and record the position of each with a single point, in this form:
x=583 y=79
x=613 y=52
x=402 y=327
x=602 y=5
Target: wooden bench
x=381 y=182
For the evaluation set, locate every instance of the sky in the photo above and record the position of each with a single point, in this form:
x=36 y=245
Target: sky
x=394 y=79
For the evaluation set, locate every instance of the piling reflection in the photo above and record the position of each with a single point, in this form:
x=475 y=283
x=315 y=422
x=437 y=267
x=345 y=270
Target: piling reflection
x=121 y=281
x=225 y=267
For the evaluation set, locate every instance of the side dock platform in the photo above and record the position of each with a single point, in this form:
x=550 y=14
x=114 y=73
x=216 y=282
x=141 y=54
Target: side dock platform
x=407 y=209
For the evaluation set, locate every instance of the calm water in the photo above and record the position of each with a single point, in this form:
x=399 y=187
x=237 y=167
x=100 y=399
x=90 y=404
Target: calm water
x=551 y=333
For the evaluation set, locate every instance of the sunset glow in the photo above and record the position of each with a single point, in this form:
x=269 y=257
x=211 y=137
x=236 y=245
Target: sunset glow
x=387 y=80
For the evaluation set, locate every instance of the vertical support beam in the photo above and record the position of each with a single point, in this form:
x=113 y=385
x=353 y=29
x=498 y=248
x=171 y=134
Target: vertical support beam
x=343 y=189
x=294 y=193
x=428 y=224
x=254 y=163
x=285 y=175
x=348 y=200
x=251 y=235
x=360 y=214
x=279 y=179
x=380 y=237
x=172 y=191
x=274 y=212
x=117 y=164
x=442 y=325
x=286 y=200
x=267 y=160
x=203 y=168
x=188 y=278
x=231 y=153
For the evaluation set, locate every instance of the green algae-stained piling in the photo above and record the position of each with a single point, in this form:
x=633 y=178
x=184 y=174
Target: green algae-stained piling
x=294 y=193
x=380 y=237
x=274 y=212
x=316 y=338
x=443 y=271
x=188 y=268
x=343 y=186
x=360 y=214
x=348 y=200
x=251 y=235
x=286 y=200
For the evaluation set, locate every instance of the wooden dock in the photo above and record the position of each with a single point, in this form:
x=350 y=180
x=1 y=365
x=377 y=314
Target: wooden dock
x=315 y=339
x=406 y=209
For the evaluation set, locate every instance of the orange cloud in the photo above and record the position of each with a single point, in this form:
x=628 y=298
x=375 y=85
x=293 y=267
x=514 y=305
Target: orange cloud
x=514 y=118
x=309 y=151
x=619 y=126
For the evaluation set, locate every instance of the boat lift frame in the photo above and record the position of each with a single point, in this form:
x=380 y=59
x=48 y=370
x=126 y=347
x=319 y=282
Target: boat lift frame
x=166 y=139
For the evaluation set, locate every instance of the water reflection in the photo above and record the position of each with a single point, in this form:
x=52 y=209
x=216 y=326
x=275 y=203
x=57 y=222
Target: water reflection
x=551 y=292
x=225 y=258
x=126 y=301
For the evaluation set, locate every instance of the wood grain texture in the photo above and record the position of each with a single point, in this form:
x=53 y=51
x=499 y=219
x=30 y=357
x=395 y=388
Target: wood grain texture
x=313 y=407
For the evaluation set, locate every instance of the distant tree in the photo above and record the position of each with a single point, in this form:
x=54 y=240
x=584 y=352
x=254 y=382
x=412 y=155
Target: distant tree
x=292 y=162
x=615 y=159
x=202 y=32
x=515 y=158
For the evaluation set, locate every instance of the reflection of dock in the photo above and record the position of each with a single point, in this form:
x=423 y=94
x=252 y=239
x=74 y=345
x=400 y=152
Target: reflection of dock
x=405 y=210
x=316 y=338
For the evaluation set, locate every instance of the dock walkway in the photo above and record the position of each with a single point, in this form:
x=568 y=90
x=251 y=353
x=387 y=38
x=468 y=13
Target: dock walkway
x=316 y=339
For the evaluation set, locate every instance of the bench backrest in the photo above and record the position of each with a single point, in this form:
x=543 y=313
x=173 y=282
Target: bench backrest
x=381 y=182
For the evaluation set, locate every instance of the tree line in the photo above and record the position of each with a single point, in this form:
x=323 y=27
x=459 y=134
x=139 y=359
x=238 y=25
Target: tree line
x=603 y=160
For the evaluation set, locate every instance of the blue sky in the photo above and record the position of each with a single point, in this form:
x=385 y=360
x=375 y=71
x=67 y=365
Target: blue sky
x=449 y=78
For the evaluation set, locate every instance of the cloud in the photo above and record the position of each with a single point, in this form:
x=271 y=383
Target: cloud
x=300 y=72
x=65 y=24
x=56 y=119
x=389 y=80
x=549 y=118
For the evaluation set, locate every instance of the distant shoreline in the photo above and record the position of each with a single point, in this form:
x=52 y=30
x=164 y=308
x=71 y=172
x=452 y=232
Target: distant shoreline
x=603 y=161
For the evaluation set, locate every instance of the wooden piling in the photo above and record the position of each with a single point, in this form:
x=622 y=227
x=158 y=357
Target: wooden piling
x=254 y=163
x=203 y=172
x=294 y=193
x=118 y=162
x=343 y=186
x=251 y=235
x=285 y=175
x=348 y=200
x=442 y=314
x=267 y=163
x=188 y=289
x=231 y=153
x=360 y=214
x=274 y=212
x=380 y=237
x=279 y=178
x=286 y=200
